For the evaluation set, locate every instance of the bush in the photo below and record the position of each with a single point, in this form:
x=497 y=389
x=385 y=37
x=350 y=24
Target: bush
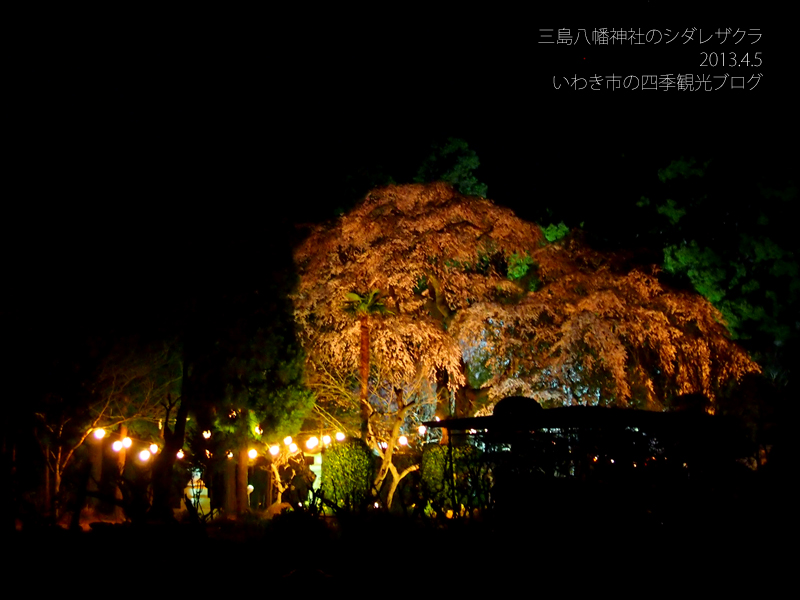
x=347 y=474
x=470 y=484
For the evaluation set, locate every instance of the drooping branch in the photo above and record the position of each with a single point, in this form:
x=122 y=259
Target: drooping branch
x=471 y=284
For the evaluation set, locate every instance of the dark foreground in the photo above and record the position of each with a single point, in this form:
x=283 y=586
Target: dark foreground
x=627 y=550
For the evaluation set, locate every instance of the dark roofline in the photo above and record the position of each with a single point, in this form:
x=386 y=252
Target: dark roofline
x=566 y=417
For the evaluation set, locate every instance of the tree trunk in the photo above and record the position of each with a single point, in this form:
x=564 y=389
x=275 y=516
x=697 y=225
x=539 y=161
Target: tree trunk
x=443 y=402
x=165 y=461
x=396 y=479
x=48 y=492
x=96 y=458
x=229 y=505
x=56 y=490
x=241 y=481
x=363 y=376
x=388 y=453
x=119 y=512
x=276 y=480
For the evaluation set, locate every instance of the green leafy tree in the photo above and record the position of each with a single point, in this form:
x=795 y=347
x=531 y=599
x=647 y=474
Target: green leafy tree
x=242 y=367
x=553 y=233
x=455 y=163
x=264 y=397
x=736 y=254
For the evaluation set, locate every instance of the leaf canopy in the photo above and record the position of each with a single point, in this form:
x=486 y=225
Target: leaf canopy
x=471 y=287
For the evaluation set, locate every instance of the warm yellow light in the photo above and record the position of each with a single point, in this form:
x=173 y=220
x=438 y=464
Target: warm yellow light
x=274 y=450
x=383 y=445
x=180 y=454
x=207 y=433
x=339 y=436
x=229 y=454
x=116 y=446
x=402 y=440
x=252 y=453
x=312 y=443
x=250 y=488
x=287 y=440
x=292 y=447
x=422 y=430
x=258 y=430
x=127 y=442
x=208 y=453
x=144 y=455
x=326 y=439
x=100 y=433
x=153 y=448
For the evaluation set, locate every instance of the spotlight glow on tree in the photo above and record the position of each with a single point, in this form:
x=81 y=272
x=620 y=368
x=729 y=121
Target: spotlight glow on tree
x=476 y=299
x=481 y=296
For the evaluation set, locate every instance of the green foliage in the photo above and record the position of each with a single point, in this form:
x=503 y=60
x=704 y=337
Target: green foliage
x=366 y=303
x=466 y=484
x=523 y=268
x=258 y=375
x=347 y=474
x=682 y=167
x=422 y=285
x=455 y=163
x=726 y=234
x=671 y=211
x=553 y=233
x=269 y=393
x=703 y=266
x=737 y=287
x=518 y=265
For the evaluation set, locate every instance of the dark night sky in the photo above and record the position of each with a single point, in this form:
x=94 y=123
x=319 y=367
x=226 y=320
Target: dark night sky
x=151 y=161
